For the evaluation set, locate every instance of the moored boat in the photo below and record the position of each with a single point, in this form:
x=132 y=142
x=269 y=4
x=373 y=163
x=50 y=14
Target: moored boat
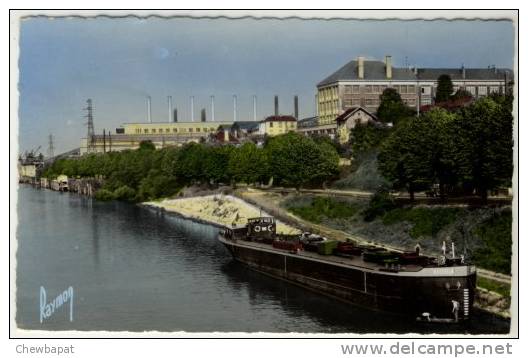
x=423 y=288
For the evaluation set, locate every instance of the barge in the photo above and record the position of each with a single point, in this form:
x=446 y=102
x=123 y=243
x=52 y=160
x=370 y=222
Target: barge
x=423 y=288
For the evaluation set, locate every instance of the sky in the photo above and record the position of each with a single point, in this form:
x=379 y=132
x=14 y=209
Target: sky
x=118 y=62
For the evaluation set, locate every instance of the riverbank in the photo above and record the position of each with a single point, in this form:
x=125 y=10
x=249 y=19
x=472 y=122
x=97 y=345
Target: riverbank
x=217 y=209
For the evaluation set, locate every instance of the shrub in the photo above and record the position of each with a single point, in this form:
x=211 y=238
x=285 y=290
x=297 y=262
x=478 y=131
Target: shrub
x=125 y=193
x=104 y=195
x=380 y=203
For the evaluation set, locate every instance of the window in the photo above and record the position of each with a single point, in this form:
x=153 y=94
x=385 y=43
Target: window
x=198 y=129
x=403 y=89
x=348 y=103
x=348 y=89
x=411 y=89
x=471 y=90
x=160 y=131
x=190 y=130
x=356 y=102
x=483 y=91
x=355 y=89
x=368 y=89
x=175 y=130
x=271 y=124
x=145 y=130
x=375 y=89
x=494 y=89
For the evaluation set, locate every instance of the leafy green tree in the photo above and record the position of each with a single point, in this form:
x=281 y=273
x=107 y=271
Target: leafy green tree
x=444 y=89
x=420 y=152
x=146 y=145
x=391 y=108
x=403 y=159
x=367 y=136
x=248 y=164
x=295 y=160
x=216 y=164
x=484 y=145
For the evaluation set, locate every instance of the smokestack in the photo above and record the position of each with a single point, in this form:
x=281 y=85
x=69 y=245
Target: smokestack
x=169 y=103
x=463 y=72
x=192 y=108
x=296 y=106
x=203 y=115
x=254 y=108
x=234 y=108
x=276 y=105
x=149 y=114
x=212 y=108
x=361 y=67
x=388 y=66
x=175 y=115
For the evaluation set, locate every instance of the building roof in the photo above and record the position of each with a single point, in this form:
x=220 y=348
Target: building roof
x=346 y=114
x=375 y=70
x=280 y=119
x=246 y=125
x=471 y=73
x=307 y=122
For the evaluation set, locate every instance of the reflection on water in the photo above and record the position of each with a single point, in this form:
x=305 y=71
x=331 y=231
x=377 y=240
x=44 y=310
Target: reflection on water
x=136 y=269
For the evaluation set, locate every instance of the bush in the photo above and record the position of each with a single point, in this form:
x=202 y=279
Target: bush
x=104 y=195
x=125 y=193
x=380 y=203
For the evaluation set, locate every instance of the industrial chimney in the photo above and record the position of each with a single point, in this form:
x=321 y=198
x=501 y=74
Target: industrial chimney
x=361 y=67
x=388 y=67
x=254 y=108
x=175 y=115
x=296 y=107
x=203 y=116
x=169 y=103
x=234 y=108
x=276 y=105
x=212 y=109
x=192 y=108
x=149 y=114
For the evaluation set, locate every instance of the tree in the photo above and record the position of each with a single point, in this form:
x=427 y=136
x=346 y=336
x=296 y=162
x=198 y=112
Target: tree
x=444 y=89
x=248 y=164
x=295 y=160
x=367 y=136
x=403 y=160
x=420 y=152
x=484 y=145
x=146 y=145
x=216 y=164
x=391 y=108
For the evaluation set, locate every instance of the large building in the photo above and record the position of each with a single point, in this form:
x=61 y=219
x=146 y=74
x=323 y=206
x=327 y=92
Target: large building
x=360 y=83
x=161 y=134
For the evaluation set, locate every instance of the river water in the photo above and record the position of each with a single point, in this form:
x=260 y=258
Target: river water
x=134 y=269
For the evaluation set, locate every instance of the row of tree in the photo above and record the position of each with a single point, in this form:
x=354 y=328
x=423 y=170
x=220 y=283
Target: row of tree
x=463 y=151
x=144 y=174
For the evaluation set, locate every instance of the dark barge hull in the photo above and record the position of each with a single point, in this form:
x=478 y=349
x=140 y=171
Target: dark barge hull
x=410 y=295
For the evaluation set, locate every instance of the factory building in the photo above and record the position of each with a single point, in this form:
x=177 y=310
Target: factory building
x=360 y=83
x=175 y=133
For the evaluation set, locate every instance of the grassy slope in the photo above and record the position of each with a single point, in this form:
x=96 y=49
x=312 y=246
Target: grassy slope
x=488 y=237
